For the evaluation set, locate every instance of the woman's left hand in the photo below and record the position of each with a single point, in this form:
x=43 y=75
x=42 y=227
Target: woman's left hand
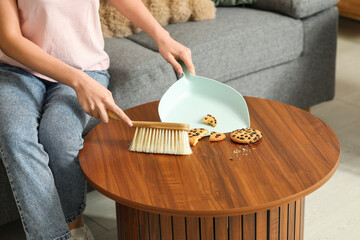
x=170 y=50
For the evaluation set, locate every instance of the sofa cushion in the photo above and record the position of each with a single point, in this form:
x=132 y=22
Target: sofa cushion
x=295 y=8
x=239 y=41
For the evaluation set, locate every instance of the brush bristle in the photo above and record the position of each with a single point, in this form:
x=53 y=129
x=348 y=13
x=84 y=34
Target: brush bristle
x=164 y=141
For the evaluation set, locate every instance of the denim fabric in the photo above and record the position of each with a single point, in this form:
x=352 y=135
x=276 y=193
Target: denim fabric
x=41 y=125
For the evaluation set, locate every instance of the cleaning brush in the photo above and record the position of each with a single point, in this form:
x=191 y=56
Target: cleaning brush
x=160 y=137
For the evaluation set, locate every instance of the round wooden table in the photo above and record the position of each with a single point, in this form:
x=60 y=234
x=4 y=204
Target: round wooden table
x=223 y=190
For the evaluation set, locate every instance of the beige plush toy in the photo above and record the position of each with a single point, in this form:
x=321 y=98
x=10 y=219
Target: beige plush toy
x=164 y=11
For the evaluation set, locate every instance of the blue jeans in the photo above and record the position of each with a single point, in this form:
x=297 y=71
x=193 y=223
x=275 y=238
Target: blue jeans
x=41 y=125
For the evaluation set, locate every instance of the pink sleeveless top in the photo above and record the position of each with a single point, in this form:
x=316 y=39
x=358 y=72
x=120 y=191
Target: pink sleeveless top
x=69 y=30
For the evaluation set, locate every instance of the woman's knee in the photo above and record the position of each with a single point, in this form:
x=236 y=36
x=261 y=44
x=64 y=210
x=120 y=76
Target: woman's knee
x=61 y=145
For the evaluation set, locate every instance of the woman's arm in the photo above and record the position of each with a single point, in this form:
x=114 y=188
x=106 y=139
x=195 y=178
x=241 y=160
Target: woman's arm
x=94 y=98
x=169 y=49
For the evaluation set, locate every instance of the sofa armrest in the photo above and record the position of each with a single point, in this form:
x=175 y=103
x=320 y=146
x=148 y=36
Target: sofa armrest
x=295 y=8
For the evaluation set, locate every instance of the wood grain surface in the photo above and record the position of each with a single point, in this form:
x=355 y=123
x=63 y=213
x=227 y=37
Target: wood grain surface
x=297 y=155
x=349 y=8
x=261 y=225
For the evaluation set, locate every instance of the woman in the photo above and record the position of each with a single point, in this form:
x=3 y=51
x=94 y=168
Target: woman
x=52 y=79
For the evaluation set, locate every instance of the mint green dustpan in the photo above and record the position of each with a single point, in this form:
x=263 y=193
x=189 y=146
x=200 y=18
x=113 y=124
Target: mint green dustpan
x=192 y=97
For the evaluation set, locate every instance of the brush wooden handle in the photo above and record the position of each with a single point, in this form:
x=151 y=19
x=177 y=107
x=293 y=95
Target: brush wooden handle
x=113 y=116
x=160 y=125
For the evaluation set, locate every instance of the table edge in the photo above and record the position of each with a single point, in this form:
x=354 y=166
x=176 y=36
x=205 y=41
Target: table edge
x=211 y=213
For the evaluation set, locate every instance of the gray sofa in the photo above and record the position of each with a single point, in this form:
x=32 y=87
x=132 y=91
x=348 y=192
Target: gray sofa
x=277 y=49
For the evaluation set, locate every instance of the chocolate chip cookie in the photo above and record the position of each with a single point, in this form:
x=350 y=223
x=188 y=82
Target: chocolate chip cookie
x=246 y=135
x=216 y=136
x=196 y=134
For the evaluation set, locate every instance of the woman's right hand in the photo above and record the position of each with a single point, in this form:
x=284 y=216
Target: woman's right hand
x=96 y=100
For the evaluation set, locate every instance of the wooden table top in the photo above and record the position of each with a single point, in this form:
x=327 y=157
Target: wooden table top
x=297 y=155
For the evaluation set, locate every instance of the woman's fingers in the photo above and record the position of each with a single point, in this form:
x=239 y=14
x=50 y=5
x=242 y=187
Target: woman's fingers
x=116 y=112
x=111 y=111
x=171 y=59
x=103 y=114
x=186 y=58
x=171 y=50
x=96 y=101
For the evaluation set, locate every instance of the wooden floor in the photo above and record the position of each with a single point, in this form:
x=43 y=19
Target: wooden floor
x=333 y=211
